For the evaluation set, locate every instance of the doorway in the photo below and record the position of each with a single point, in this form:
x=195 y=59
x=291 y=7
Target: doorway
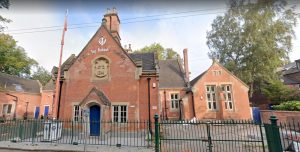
x=37 y=112
x=95 y=112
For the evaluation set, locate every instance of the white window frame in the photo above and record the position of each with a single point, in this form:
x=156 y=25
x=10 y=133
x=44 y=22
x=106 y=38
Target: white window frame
x=119 y=117
x=174 y=101
x=227 y=89
x=77 y=116
x=4 y=110
x=211 y=97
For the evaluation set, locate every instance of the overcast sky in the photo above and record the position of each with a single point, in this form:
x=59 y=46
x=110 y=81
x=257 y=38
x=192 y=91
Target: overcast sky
x=173 y=24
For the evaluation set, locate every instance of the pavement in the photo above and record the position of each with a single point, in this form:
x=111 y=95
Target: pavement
x=54 y=147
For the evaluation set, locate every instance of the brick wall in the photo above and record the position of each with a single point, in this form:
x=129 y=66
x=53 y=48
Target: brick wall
x=23 y=97
x=165 y=102
x=282 y=116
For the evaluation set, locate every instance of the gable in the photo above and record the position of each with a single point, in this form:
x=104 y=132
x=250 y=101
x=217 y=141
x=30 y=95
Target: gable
x=97 y=95
x=213 y=74
x=102 y=43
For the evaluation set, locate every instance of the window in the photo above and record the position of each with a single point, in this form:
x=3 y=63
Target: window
x=211 y=97
x=227 y=96
x=120 y=113
x=174 y=100
x=77 y=113
x=217 y=72
x=6 y=109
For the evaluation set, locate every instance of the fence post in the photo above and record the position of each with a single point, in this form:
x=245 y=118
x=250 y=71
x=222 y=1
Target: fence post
x=209 y=136
x=273 y=135
x=21 y=131
x=156 y=133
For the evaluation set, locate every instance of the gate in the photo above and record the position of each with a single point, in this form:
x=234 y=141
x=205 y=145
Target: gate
x=198 y=136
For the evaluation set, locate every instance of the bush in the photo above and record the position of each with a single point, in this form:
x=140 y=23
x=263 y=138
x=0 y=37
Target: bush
x=288 y=106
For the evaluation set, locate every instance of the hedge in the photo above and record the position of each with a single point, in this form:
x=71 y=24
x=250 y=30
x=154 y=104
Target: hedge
x=288 y=106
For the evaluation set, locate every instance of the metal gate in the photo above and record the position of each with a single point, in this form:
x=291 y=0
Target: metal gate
x=197 y=136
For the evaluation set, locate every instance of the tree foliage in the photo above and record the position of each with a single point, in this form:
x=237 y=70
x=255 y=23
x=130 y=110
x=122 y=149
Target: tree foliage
x=42 y=75
x=288 y=106
x=13 y=59
x=162 y=53
x=253 y=39
x=4 y=4
x=277 y=92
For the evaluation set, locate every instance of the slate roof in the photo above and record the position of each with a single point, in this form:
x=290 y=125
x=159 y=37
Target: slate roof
x=289 y=80
x=291 y=73
x=65 y=66
x=194 y=81
x=148 y=60
x=15 y=83
x=50 y=85
x=171 y=74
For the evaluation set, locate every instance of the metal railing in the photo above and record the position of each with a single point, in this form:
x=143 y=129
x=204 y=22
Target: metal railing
x=131 y=133
x=225 y=136
x=290 y=135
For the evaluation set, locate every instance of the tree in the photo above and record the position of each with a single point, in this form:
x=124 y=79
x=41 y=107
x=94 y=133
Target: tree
x=162 y=53
x=4 y=4
x=277 y=92
x=13 y=59
x=253 y=39
x=42 y=75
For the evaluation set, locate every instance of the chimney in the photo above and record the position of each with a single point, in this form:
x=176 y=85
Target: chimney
x=129 y=49
x=113 y=23
x=186 y=65
x=298 y=64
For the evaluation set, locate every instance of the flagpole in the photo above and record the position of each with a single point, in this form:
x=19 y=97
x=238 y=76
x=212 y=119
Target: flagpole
x=57 y=86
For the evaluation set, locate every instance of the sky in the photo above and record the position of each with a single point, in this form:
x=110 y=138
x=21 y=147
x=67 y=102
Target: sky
x=37 y=26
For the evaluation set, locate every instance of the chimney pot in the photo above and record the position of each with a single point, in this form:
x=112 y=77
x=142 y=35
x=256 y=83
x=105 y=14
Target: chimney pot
x=129 y=48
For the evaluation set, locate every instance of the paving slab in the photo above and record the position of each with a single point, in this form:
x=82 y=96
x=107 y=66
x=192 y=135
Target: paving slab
x=53 y=147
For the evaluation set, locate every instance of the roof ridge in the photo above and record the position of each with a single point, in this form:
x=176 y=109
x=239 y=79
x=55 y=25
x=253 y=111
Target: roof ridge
x=17 y=77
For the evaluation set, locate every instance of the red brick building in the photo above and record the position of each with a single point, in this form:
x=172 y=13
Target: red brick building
x=20 y=97
x=115 y=84
x=218 y=94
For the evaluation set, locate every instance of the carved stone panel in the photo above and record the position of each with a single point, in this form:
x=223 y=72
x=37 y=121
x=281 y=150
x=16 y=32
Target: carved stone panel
x=100 y=68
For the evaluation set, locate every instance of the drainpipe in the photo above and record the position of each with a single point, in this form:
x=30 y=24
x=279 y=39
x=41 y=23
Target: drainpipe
x=26 y=113
x=59 y=98
x=149 y=117
x=193 y=104
x=166 y=112
x=180 y=109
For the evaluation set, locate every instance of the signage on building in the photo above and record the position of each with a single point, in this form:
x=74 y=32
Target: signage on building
x=101 y=41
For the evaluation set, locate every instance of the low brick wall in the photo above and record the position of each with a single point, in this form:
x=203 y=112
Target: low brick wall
x=282 y=116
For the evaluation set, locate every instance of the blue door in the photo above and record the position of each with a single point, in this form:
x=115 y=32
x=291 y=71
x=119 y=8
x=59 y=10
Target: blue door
x=46 y=111
x=95 y=120
x=37 y=112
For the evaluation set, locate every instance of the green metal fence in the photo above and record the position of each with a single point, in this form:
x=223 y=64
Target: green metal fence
x=225 y=136
x=170 y=136
x=131 y=133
